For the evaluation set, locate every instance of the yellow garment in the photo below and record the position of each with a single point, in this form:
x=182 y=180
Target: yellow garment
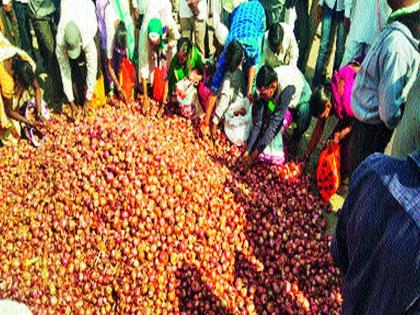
x=9 y=128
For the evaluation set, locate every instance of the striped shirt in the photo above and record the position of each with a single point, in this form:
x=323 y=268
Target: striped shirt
x=247 y=27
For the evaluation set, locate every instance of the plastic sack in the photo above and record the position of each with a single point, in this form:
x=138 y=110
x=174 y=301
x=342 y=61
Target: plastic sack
x=328 y=171
x=127 y=79
x=99 y=98
x=186 y=95
x=274 y=153
x=158 y=84
x=28 y=110
x=342 y=87
x=238 y=126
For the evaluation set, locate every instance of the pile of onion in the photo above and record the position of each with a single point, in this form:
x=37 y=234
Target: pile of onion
x=122 y=213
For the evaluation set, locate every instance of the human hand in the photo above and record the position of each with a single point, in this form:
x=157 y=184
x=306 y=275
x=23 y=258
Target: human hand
x=87 y=107
x=250 y=97
x=195 y=78
x=136 y=14
x=213 y=132
x=319 y=12
x=347 y=24
x=204 y=129
x=146 y=105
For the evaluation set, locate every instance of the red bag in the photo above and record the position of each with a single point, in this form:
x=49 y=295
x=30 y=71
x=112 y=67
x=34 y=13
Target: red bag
x=127 y=79
x=328 y=171
x=158 y=84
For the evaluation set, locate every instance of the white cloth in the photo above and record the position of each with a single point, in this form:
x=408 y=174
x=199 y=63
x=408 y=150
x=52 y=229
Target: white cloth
x=23 y=1
x=185 y=11
x=291 y=75
x=289 y=52
x=162 y=10
x=366 y=21
x=83 y=14
x=141 y=5
x=111 y=18
x=9 y=307
x=332 y=3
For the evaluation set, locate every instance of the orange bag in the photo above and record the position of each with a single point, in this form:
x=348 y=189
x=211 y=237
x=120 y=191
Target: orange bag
x=127 y=79
x=328 y=171
x=99 y=98
x=158 y=84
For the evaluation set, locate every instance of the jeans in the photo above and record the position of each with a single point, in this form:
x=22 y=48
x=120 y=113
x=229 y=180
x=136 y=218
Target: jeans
x=301 y=31
x=329 y=18
x=22 y=16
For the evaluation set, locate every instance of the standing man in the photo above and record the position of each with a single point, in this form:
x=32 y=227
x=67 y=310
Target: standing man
x=77 y=51
x=42 y=14
x=193 y=15
x=21 y=8
x=377 y=239
x=364 y=26
x=332 y=14
x=384 y=80
x=248 y=28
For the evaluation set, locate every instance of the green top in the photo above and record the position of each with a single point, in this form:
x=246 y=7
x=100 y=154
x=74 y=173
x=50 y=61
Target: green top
x=177 y=71
x=9 y=27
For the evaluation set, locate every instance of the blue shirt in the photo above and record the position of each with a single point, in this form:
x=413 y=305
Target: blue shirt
x=377 y=239
x=248 y=28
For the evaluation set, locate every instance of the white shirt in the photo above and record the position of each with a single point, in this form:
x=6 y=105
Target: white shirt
x=111 y=19
x=141 y=5
x=331 y=4
x=161 y=9
x=185 y=11
x=83 y=14
x=368 y=18
x=291 y=75
x=289 y=52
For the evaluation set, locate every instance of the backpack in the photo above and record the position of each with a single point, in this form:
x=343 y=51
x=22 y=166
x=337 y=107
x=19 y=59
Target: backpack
x=342 y=87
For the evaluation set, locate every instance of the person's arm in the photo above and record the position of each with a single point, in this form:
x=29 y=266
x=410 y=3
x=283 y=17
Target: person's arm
x=251 y=76
x=392 y=82
x=348 y=6
x=91 y=54
x=14 y=114
x=220 y=30
x=65 y=72
x=256 y=129
x=38 y=96
x=277 y=118
x=215 y=87
x=316 y=136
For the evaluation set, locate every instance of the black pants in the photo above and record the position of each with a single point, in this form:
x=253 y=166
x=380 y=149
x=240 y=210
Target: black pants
x=365 y=140
x=78 y=76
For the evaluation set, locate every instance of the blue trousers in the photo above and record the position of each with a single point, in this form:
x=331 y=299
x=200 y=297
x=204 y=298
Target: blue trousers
x=330 y=19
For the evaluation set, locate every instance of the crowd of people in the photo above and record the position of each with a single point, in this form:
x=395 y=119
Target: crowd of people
x=235 y=65
x=229 y=63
